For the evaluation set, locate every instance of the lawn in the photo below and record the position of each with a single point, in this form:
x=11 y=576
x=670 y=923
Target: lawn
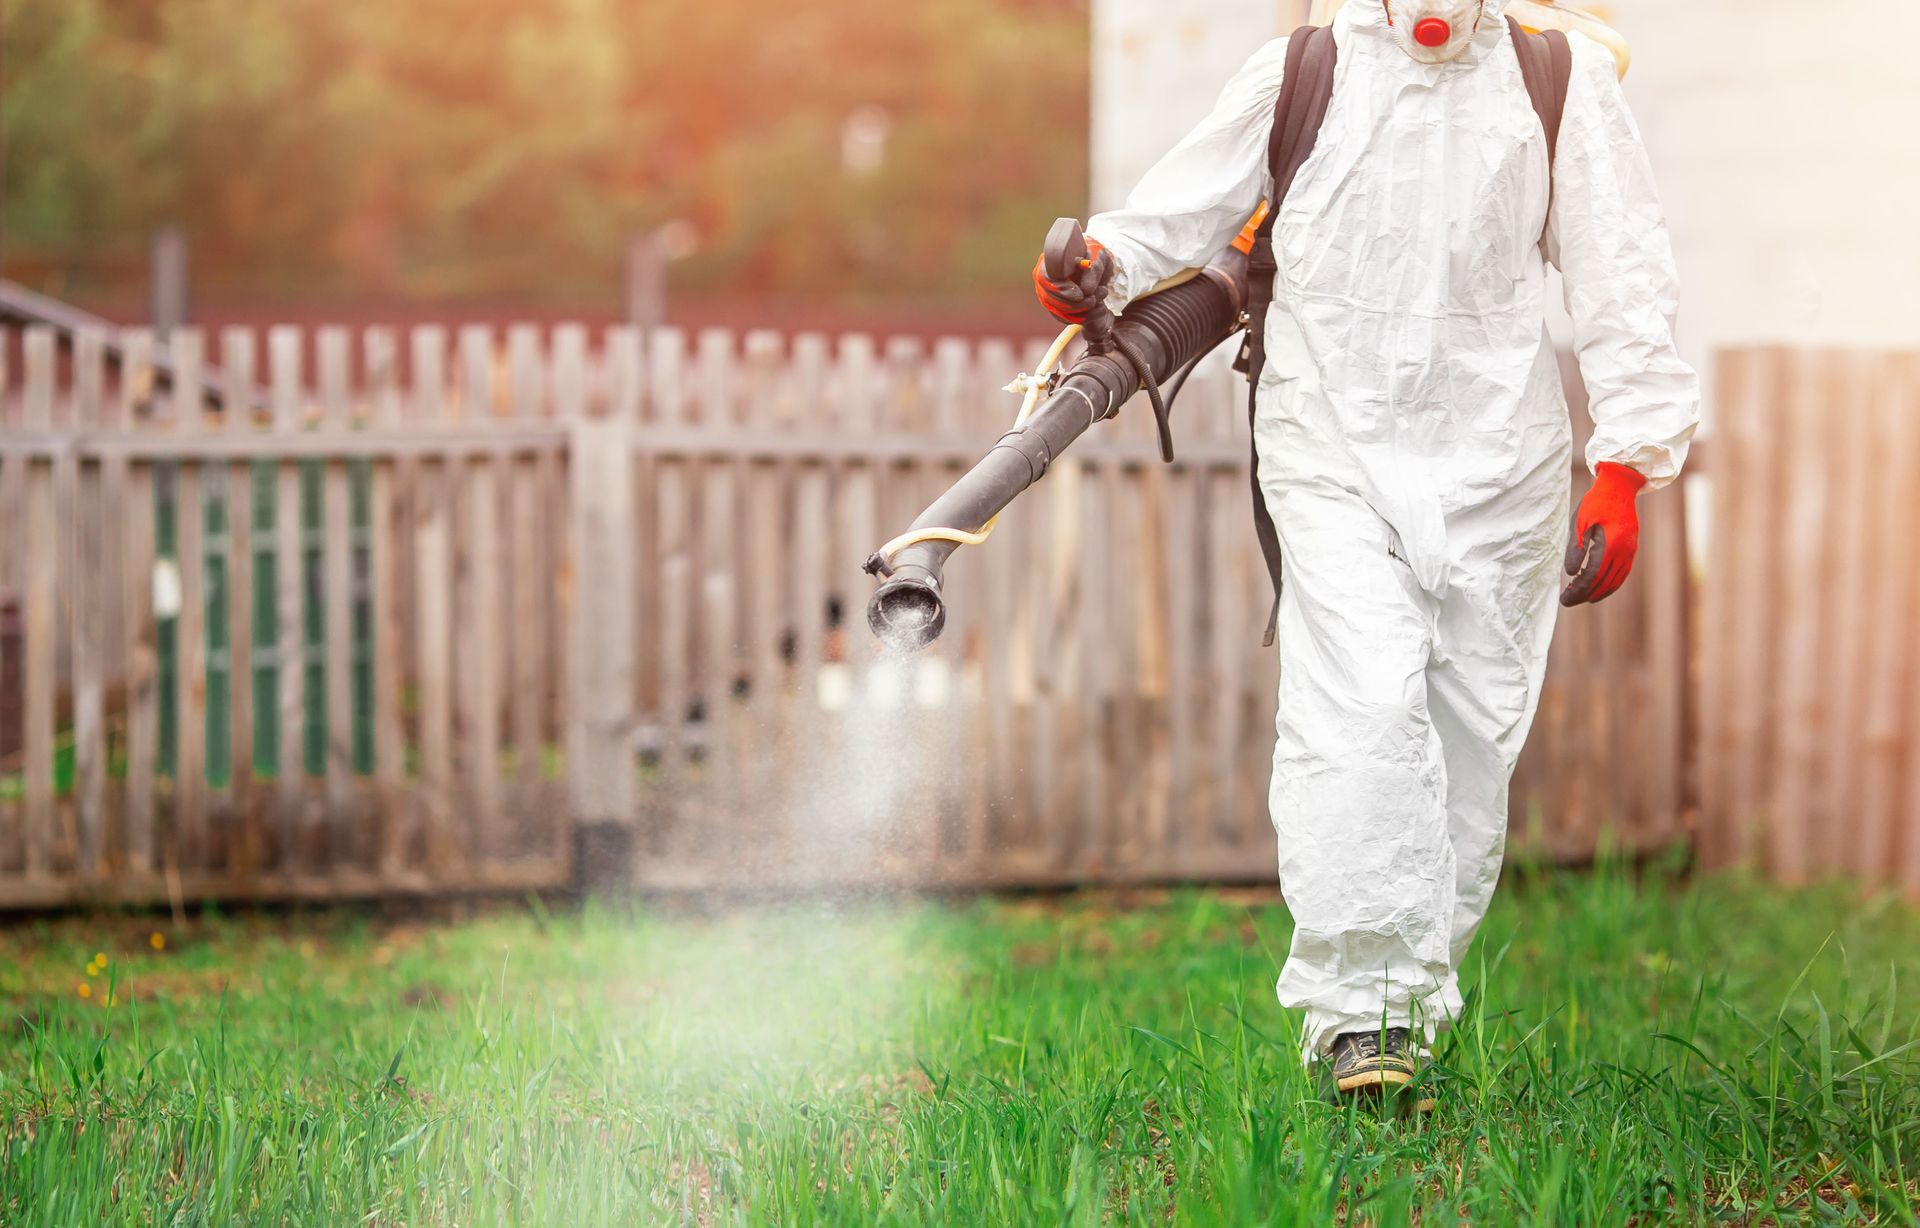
x=1638 y=1052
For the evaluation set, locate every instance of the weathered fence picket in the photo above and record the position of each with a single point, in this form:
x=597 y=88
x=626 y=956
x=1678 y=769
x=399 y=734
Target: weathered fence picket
x=88 y=564
x=237 y=357
x=189 y=840
x=1889 y=754
x=338 y=597
x=42 y=603
x=431 y=649
x=12 y=629
x=139 y=631
x=599 y=736
x=527 y=639
x=294 y=823
x=381 y=357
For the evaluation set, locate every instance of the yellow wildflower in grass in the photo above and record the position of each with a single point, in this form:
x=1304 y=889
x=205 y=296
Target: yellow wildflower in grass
x=101 y=959
x=158 y=941
x=84 y=990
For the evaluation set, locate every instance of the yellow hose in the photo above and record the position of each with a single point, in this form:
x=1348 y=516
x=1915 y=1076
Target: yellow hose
x=1036 y=384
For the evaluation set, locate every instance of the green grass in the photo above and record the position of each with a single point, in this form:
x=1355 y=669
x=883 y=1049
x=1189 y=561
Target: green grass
x=1636 y=1054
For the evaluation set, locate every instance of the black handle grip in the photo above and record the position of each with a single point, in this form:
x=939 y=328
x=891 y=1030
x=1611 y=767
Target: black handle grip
x=1066 y=248
x=1065 y=252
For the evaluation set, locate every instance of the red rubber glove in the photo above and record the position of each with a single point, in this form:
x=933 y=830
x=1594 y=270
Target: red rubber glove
x=1071 y=300
x=1606 y=536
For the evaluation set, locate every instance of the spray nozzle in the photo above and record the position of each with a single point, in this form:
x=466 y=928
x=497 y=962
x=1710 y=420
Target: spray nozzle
x=907 y=613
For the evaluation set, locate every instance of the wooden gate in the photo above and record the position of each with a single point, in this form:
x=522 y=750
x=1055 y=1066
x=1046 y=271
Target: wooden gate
x=288 y=638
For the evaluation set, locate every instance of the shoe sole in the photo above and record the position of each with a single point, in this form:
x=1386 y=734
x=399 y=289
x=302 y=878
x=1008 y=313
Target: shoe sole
x=1370 y=1080
x=1377 y=1084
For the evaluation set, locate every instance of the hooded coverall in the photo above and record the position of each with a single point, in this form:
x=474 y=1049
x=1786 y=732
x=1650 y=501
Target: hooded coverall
x=1415 y=453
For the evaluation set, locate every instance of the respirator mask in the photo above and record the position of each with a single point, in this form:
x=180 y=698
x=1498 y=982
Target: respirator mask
x=1434 y=31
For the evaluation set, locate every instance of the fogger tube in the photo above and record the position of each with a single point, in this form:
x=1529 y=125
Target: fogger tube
x=1167 y=330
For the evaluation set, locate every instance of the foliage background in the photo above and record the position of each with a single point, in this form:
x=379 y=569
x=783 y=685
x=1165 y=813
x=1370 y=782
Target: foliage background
x=440 y=150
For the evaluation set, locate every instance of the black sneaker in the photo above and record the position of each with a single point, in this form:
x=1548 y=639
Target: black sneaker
x=1374 y=1063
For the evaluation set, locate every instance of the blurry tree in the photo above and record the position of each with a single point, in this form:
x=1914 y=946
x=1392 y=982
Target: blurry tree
x=508 y=147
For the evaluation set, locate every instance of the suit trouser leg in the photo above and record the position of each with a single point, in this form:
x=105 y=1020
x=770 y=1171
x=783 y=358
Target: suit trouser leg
x=1491 y=644
x=1359 y=778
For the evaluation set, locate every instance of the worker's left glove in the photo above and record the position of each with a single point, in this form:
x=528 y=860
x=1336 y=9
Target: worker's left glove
x=1606 y=536
x=1073 y=298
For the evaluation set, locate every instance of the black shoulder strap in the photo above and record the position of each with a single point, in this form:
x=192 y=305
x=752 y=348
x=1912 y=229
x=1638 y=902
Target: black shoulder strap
x=1305 y=93
x=1546 y=63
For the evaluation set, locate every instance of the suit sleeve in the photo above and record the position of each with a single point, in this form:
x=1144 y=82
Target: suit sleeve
x=1608 y=234
x=1199 y=197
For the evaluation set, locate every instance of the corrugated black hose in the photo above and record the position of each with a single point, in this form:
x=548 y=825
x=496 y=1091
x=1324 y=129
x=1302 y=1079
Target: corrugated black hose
x=1162 y=416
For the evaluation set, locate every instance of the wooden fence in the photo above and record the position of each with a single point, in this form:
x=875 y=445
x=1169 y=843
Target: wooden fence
x=547 y=584
x=1811 y=680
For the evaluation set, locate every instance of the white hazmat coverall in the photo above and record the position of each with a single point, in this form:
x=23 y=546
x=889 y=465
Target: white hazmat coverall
x=1415 y=453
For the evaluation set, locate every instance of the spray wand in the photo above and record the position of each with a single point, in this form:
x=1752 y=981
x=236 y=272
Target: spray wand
x=1156 y=343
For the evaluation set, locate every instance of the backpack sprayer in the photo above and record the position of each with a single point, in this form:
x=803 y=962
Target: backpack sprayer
x=1158 y=341
x=1154 y=345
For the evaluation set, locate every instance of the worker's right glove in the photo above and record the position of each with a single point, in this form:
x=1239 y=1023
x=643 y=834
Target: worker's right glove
x=1606 y=535
x=1073 y=298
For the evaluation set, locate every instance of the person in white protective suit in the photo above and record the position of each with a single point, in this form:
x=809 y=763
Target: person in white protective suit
x=1415 y=455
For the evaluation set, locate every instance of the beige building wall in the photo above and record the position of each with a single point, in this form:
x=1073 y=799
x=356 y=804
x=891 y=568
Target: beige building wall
x=1782 y=132
x=1784 y=137
x=1157 y=67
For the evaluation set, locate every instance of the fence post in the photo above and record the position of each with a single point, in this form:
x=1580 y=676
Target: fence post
x=646 y=281
x=600 y=652
x=167 y=289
